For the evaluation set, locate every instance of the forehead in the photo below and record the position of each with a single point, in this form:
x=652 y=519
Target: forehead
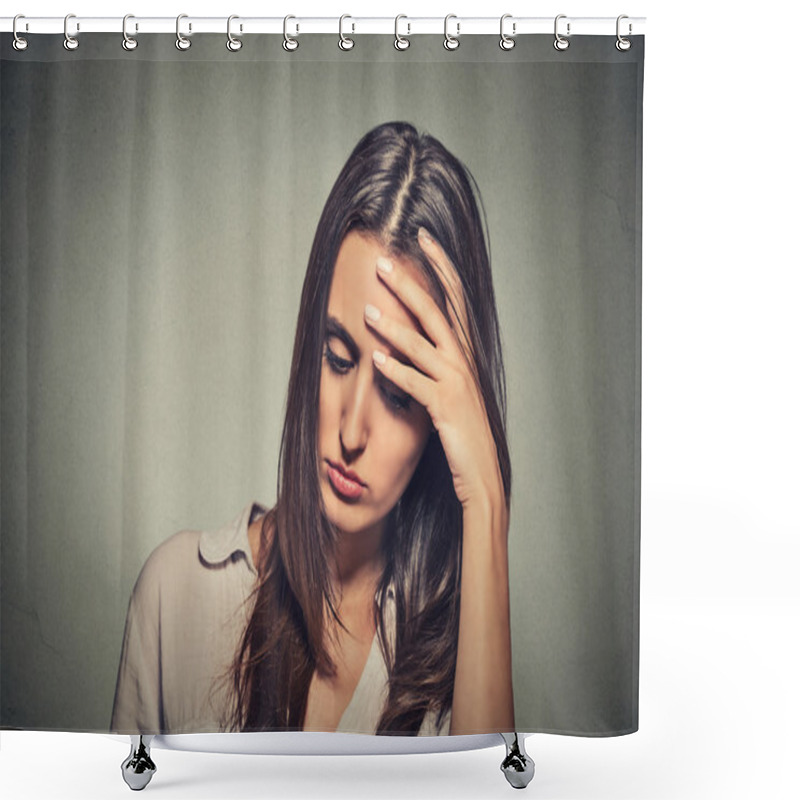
x=355 y=283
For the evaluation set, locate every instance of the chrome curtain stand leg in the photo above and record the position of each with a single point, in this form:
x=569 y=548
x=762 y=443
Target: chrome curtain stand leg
x=138 y=767
x=517 y=766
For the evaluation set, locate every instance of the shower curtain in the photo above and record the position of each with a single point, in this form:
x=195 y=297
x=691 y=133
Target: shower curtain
x=158 y=213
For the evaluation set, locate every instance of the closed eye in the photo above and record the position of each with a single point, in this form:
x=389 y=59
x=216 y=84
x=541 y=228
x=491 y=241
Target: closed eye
x=401 y=402
x=341 y=366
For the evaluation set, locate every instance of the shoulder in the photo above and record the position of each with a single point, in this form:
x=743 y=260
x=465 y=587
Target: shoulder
x=194 y=575
x=173 y=552
x=167 y=564
x=191 y=556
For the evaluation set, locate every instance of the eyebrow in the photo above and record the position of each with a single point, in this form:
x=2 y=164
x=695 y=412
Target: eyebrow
x=335 y=328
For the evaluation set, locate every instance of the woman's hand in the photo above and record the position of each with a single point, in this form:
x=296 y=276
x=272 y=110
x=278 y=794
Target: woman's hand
x=443 y=377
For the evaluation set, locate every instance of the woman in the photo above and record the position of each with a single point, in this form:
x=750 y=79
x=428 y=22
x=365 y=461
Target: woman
x=373 y=596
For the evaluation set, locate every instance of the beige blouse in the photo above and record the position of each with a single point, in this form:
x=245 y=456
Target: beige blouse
x=186 y=616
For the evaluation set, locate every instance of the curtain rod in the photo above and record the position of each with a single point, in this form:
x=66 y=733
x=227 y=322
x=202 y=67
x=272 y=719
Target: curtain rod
x=297 y=26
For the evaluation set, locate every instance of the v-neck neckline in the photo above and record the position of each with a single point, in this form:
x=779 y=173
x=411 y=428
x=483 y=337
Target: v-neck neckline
x=363 y=711
x=365 y=672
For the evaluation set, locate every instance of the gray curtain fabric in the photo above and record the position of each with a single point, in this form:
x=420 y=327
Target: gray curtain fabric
x=158 y=210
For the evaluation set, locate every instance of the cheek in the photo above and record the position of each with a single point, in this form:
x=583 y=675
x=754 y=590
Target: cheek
x=401 y=449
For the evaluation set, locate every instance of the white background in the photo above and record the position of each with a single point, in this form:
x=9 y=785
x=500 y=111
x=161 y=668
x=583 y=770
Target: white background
x=720 y=609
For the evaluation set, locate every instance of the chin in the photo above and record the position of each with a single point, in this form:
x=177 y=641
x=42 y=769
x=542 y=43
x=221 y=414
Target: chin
x=345 y=517
x=338 y=511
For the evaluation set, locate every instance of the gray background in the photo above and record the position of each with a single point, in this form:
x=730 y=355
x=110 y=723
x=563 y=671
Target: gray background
x=156 y=222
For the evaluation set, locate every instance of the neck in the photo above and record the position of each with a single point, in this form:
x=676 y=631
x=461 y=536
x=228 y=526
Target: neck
x=359 y=560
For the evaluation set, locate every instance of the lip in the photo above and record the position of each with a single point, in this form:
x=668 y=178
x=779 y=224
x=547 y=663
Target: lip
x=345 y=482
x=348 y=473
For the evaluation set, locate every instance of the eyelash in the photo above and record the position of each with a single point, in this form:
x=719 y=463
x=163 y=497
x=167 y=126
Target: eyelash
x=340 y=366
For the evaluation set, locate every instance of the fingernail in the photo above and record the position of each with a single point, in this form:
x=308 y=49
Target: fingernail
x=425 y=236
x=384 y=265
x=378 y=357
x=372 y=313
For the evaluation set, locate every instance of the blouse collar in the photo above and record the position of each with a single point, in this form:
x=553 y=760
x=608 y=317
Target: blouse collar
x=218 y=546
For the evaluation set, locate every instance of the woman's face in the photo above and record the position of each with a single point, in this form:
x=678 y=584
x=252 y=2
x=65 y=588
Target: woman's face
x=367 y=426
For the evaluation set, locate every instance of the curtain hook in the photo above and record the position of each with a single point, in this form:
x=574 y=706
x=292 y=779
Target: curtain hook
x=561 y=43
x=70 y=42
x=128 y=42
x=507 y=42
x=233 y=44
x=622 y=43
x=289 y=42
x=400 y=42
x=344 y=42
x=19 y=43
x=451 y=42
x=182 y=43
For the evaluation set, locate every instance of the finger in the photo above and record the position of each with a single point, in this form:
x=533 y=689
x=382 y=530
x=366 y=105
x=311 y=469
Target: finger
x=422 y=354
x=407 y=379
x=419 y=301
x=454 y=290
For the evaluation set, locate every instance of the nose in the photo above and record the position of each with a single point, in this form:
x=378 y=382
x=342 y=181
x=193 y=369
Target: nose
x=354 y=427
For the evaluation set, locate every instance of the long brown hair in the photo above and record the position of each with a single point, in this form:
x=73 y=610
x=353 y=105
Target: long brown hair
x=395 y=181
